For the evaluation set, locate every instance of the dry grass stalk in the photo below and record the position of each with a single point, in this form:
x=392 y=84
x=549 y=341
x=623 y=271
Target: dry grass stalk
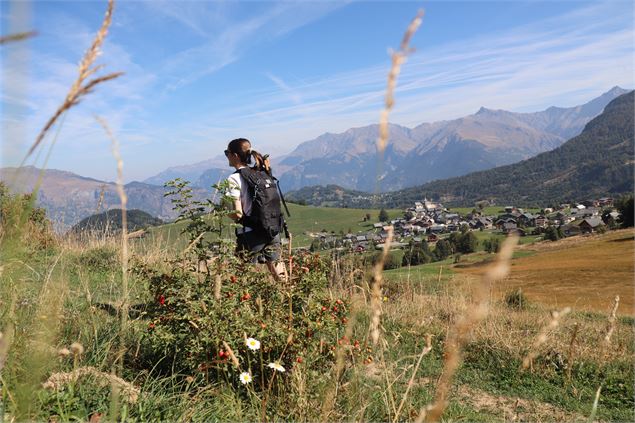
x=58 y=380
x=544 y=335
x=398 y=58
x=124 y=220
x=472 y=316
x=426 y=350
x=376 y=292
x=329 y=400
x=17 y=37
x=570 y=351
x=612 y=319
x=80 y=87
x=232 y=356
x=607 y=342
x=218 y=284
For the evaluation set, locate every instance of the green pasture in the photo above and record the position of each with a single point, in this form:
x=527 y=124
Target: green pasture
x=489 y=211
x=303 y=221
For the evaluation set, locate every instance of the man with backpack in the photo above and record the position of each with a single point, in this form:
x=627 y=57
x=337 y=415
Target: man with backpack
x=256 y=207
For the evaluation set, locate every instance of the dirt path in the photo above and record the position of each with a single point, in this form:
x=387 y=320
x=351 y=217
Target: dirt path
x=512 y=409
x=582 y=272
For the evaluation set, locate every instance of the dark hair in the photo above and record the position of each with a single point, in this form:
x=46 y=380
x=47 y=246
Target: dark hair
x=247 y=155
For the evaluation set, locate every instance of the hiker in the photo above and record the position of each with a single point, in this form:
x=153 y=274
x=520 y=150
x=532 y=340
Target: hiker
x=258 y=239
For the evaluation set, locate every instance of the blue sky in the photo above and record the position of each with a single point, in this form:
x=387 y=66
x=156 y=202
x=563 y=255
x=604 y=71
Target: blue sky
x=199 y=73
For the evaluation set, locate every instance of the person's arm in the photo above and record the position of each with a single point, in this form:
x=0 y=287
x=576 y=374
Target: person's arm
x=237 y=214
x=234 y=194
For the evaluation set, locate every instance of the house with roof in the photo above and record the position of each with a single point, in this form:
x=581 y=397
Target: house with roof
x=482 y=223
x=540 y=221
x=590 y=225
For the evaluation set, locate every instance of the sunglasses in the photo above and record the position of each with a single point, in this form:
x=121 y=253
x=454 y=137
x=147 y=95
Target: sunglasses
x=227 y=153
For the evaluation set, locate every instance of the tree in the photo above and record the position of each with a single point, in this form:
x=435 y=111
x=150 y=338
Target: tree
x=443 y=250
x=467 y=243
x=383 y=215
x=625 y=207
x=492 y=245
x=552 y=234
x=315 y=245
x=367 y=216
x=417 y=253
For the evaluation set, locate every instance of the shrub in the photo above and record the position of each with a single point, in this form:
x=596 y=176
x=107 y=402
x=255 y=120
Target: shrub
x=416 y=254
x=516 y=300
x=194 y=317
x=492 y=245
x=442 y=250
x=100 y=258
x=552 y=233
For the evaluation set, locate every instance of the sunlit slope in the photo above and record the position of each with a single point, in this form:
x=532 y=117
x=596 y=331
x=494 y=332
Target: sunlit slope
x=303 y=221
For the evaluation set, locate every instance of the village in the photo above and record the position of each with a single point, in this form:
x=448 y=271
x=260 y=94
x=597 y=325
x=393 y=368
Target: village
x=430 y=221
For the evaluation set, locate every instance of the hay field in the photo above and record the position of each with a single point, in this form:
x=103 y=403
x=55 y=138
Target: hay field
x=582 y=272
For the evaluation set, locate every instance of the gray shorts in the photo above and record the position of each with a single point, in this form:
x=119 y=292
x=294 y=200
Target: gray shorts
x=256 y=248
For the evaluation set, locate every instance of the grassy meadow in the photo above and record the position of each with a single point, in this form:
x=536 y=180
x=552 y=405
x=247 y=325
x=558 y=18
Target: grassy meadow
x=303 y=221
x=118 y=329
x=393 y=380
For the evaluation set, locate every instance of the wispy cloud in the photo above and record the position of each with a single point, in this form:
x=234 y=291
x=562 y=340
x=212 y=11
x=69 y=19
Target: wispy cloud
x=223 y=39
x=575 y=56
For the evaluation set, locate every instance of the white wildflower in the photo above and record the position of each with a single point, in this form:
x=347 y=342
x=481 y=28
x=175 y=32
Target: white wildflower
x=276 y=366
x=245 y=378
x=253 y=344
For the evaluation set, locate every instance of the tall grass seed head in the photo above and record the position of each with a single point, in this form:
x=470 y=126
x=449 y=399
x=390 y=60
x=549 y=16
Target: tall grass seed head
x=77 y=348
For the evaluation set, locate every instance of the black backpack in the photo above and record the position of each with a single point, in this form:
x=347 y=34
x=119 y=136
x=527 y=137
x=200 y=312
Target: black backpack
x=266 y=215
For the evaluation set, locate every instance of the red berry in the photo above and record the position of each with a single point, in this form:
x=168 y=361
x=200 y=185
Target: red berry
x=233 y=279
x=335 y=309
x=299 y=360
x=323 y=308
x=221 y=353
x=161 y=300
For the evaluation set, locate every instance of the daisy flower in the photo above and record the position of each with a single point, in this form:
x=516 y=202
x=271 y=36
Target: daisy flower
x=276 y=366
x=253 y=344
x=245 y=378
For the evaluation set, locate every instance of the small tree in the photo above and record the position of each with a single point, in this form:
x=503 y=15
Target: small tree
x=417 y=253
x=625 y=207
x=492 y=245
x=552 y=233
x=442 y=250
x=383 y=215
x=468 y=243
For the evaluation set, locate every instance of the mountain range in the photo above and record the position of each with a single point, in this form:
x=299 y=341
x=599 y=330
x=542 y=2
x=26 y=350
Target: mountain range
x=348 y=160
x=438 y=150
x=69 y=198
x=598 y=162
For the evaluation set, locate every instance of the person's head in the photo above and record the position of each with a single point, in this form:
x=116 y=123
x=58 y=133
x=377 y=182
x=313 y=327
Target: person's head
x=238 y=152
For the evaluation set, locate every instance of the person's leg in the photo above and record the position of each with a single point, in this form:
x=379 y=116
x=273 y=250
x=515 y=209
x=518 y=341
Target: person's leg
x=278 y=270
x=272 y=254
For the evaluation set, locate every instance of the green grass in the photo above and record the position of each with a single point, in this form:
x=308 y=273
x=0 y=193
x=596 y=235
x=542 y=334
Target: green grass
x=489 y=211
x=303 y=221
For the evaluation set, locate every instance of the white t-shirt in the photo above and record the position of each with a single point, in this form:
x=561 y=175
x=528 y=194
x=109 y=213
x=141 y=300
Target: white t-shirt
x=238 y=190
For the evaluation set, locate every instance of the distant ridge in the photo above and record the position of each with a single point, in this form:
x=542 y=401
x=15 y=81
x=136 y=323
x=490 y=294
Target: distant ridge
x=437 y=150
x=69 y=198
x=597 y=162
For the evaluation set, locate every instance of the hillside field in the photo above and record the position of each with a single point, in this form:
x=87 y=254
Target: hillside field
x=303 y=220
x=581 y=272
